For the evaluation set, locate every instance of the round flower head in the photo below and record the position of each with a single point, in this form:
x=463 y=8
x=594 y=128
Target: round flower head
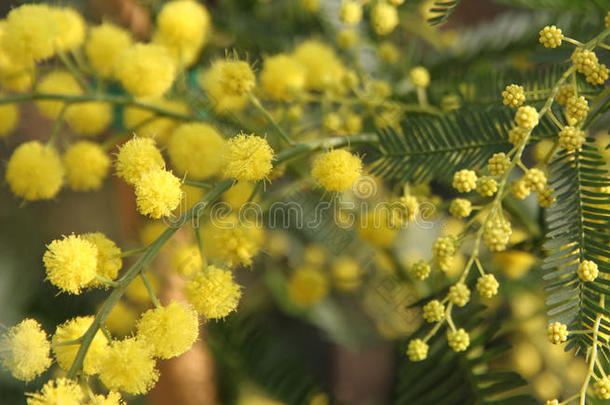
x=552 y=402
x=602 y=388
x=70 y=29
x=336 y=170
x=497 y=234
x=535 y=179
x=350 y=12
x=236 y=78
x=60 y=391
x=108 y=256
x=513 y=95
x=420 y=270
x=516 y=135
x=486 y=186
x=460 y=208
x=71 y=263
x=420 y=76
x=433 y=311
x=144 y=123
x=56 y=82
x=551 y=36
x=90 y=118
x=442 y=250
x=233 y=243
x=248 y=158
x=526 y=117
x=113 y=398
x=186 y=259
x=19 y=81
x=213 y=292
x=459 y=294
x=465 y=180
x=9 y=116
x=307 y=286
x=86 y=165
x=417 y=350
x=332 y=122
x=587 y=270
x=170 y=330
x=571 y=138
x=34 y=171
x=137 y=157
x=545 y=197
x=498 y=164
x=347 y=38
x=323 y=68
x=565 y=92
x=29 y=34
x=72 y=330
x=196 y=150
x=282 y=77
x=25 y=350
x=584 y=60
x=158 y=193
x=182 y=27
x=577 y=108
x=458 y=340
x=104 y=45
x=384 y=18
x=310 y=5
x=378 y=228
x=128 y=366
x=557 y=332
x=388 y=52
x=346 y=273
x=146 y=70
x=216 y=79
x=487 y=285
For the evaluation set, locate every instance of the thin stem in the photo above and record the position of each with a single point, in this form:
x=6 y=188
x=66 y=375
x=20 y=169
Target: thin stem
x=106 y=281
x=68 y=342
x=133 y=252
x=573 y=41
x=107 y=334
x=150 y=290
x=585 y=384
x=204 y=260
x=200 y=184
x=255 y=101
x=73 y=69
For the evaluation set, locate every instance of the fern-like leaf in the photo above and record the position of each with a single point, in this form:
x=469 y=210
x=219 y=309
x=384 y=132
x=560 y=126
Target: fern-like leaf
x=442 y=10
x=578 y=229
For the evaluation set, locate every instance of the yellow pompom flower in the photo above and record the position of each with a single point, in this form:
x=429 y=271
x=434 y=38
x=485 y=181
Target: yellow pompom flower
x=213 y=293
x=196 y=149
x=30 y=34
x=34 y=171
x=182 y=27
x=25 y=350
x=526 y=117
x=350 y=12
x=498 y=164
x=487 y=285
x=384 y=18
x=323 y=68
x=557 y=332
x=336 y=170
x=212 y=82
x=234 y=243
x=433 y=311
x=70 y=29
x=109 y=260
x=144 y=123
x=60 y=391
x=571 y=138
x=465 y=180
x=459 y=294
x=460 y=208
x=128 y=366
x=577 y=108
x=158 y=193
x=458 y=340
x=113 y=398
x=9 y=117
x=146 y=70
x=420 y=76
x=602 y=388
x=90 y=118
x=307 y=286
x=513 y=95
x=170 y=330
x=137 y=157
x=282 y=77
x=86 y=165
x=388 y=52
x=346 y=273
x=106 y=42
x=56 y=82
x=248 y=158
x=417 y=350
x=550 y=36
x=587 y=270
x=71 y=263
x=186 y=259
x=74 y=329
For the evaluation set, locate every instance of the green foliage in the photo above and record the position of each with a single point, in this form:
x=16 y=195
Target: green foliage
x=577 y=230
x=443 y=10
x=592 y=5
x=446 y=377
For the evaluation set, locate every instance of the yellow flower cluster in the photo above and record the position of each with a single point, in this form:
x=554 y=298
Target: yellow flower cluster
x=346 y=273
x=71 y=263
x=571 y=138
x=60 y=391
x=498 y=164
x=248 y=158
x=25 y=350
x=336 y=170
x=587 y=270
x=551 y=36
x=557 y=332
x=86 y=166
x=497 y=234
x=602 y=388
x=465 y=180
x=443 y=250
x=420 y=270
x=459 y=294
x=458 y=340
x=513 y=95
x=417 y=350
x=433 y=311
x=586 y=62
x=486 y=186
x=577 y=108
x=213 y=293
x=526 y=117
x=460 y=208
x=307 y=286
x=487 y=285
x=66 y=353
x=227 y=83
x=196 y=150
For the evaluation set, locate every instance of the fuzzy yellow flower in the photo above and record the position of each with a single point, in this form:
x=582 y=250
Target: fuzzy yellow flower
x=56 y=82
x=9 y=117
x=90 y=118
x=213 y=292
x=113 y=398
x=248 y=158
x=34 y=171
x=282 y=77
x=170 y=330
x=186 y=259
x=70 y=29
x=71 y=263
x=322 y=66
x=30 y=34
x=420 y=76
x=376 y=228
x=74 y=329
x=86 y=165
x=25 y=350
x=128 y=366
x=158 y=193
x=227 y=83
x=144 y=123
x=233 y=242
x=346 y=273
x=60 y=391
x=137 y=157
x=307 y=286
x=104 y=45
x=336 y=170
x=384 y=18
x=109 y=260
x=146 y=70
x=196 y=150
